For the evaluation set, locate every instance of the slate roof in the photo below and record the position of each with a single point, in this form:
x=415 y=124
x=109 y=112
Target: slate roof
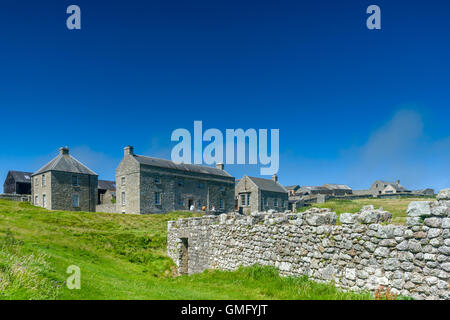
x=107 y=185
x=20 y=176
x=337 y=186
x=65 y=163
x=163 y=163
x=292 y=187
x=268 y=185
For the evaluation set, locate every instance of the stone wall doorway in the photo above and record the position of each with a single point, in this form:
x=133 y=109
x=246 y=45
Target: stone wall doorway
x=184 y=257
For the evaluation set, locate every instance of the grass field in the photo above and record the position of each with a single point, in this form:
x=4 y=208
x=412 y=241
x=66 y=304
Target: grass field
x=395 y=206
x=121 y=257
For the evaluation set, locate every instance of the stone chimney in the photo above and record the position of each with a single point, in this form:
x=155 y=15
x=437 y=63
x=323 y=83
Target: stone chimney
x=397 y=182
x=64 y=150
x=275 y=177
x=128 y=151
x=220 y=166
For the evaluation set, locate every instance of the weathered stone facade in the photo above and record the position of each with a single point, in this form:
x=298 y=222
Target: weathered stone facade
x=360 y=254
x=150 y=185
x=65 y=184
x=257 y=194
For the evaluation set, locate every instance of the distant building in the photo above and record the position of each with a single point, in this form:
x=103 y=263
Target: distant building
x=385 y=187
x=292 y=189
x=258 y=194
x=65 y=184
x=106 y=192
x=313 y=190
x=425 y=192
x=17 y=182
x=339 y=189
x=152 y=185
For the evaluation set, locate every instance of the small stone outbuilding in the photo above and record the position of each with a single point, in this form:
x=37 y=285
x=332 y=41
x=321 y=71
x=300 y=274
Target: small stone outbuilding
x=258 y=194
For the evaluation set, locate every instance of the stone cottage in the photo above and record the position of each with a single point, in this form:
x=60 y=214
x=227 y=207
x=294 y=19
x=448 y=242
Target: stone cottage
x=65 y=184
x=152 y=185
x=385 y=187
x=258 y=194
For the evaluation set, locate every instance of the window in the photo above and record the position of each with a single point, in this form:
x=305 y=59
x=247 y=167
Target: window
x=243 y=197
x=222 y=188
x=122 y=181
x=44 y=200
x=180 y=183
x=75 y=201
x=36 y=181
x=265 y=201
x=282 y=203
x=123 y=198
x=248 y=199
x=36 y=200
x=157 y=180
x=222 y=204
x=157 y=198
x=275 y=202
x=180 y=203
x=199 y=203
x=44 y=182
x=75 y=181
x=200 y=185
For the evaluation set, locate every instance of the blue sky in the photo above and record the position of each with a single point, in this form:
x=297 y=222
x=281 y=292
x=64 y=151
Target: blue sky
x=352 y=105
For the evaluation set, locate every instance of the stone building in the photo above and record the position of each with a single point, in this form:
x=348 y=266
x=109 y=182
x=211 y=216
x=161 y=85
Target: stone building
x=339 y=189
x=152 y=185
x=258 y=194
x=65 y=184
x=106 y=192
x=385 y=187
x=292 y=189
x=17 y=182
x=314 y=190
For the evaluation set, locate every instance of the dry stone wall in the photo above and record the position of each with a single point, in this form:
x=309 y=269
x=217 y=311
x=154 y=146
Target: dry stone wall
x=361 y=253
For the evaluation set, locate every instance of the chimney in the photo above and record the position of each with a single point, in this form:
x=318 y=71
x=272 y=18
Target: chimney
x=275 y=177
x=220 y=166
x=128 y=151
x=397 y=182
x=64 y=150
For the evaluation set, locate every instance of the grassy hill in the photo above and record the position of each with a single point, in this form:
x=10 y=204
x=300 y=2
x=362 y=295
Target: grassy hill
x=121 y=257
x=395 y=206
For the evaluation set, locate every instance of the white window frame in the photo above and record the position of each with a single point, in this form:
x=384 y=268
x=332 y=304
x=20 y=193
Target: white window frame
x=36 y=200
x=275 y=202
x=44 y=200
x=44 y=180
x=76 y=204
x=243 y=199
x=123 y=181
x=123 y=200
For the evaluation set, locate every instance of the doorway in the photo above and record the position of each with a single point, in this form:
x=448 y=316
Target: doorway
x=184 y=256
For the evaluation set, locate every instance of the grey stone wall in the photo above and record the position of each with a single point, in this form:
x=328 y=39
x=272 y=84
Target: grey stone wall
x=16 y=197
x=361 y=253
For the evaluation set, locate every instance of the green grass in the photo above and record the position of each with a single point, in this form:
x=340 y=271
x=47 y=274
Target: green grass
x=395 y=206
x=121 y=257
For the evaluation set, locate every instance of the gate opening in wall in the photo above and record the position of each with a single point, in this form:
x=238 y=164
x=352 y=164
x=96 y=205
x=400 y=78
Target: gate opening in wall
x=184 y=262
